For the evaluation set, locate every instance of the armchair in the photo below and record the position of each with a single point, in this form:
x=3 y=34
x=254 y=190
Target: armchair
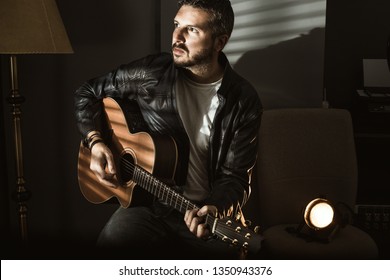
x=303 y=154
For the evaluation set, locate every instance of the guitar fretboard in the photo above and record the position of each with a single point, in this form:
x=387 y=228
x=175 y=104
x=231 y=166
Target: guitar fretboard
x=161 y=190
x=165 y=193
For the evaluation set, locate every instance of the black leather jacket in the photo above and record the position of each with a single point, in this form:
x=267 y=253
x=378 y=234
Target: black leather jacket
x=233 y=140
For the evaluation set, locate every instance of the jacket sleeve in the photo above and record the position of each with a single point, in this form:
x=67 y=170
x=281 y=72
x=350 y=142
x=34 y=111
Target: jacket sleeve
x=231 y=184
x=123 y=82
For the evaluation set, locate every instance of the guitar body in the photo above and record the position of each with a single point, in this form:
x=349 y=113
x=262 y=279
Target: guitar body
x=155 y=154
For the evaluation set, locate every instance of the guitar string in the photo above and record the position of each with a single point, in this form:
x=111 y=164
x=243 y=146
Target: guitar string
x=146 y=177
x=171 y=193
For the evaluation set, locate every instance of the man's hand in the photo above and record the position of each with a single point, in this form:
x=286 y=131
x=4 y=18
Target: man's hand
x=195 y=219
x=102 y=164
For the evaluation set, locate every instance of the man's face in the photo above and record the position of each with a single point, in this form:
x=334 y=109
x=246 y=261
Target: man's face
x=192 y=41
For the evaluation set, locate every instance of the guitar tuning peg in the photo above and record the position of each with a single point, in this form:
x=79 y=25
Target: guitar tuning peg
x=256 y=229
x=248 y=223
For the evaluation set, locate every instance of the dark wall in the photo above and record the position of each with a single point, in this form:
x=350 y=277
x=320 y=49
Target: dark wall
x=168 y=12
x=287 y=74
x=358 y=29
x=4 y=198
x=355 y=29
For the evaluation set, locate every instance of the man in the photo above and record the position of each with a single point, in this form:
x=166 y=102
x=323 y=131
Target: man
x=193 y=95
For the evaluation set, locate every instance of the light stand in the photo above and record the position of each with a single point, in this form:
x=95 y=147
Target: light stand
x=321 y=222
x=27 y=27
x=22 y=194
x=310 y=235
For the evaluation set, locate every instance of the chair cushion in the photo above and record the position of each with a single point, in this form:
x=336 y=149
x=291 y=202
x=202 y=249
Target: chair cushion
x=349 y=243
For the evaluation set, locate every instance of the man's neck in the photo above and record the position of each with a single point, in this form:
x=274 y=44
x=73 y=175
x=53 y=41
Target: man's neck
x=205 y=73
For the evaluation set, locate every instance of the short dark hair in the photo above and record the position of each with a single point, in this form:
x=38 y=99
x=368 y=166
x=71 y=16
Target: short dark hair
x=221 y=14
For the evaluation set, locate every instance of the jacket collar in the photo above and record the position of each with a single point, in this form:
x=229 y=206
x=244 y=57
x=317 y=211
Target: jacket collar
x=228 y=75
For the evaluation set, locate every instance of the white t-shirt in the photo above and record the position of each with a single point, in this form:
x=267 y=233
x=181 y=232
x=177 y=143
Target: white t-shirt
x=197 y=104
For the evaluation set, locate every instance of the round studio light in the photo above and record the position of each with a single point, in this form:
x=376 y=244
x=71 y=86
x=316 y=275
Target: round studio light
x=319 y=214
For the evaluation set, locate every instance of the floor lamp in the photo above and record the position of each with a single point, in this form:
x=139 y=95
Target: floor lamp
x=27 y=27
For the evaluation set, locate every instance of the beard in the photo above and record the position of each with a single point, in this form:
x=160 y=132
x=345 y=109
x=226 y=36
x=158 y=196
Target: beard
x=199 y=59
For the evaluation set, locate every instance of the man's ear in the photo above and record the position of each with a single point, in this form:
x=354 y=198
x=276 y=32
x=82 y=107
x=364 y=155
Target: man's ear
x=220 y=42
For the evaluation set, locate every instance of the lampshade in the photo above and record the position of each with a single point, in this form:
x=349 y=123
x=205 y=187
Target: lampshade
x=32 y=27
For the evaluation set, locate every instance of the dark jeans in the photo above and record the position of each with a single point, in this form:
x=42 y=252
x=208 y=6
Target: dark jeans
x=157 y=233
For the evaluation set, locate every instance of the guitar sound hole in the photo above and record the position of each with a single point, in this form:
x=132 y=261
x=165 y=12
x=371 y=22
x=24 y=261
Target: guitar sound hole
x=127 y=167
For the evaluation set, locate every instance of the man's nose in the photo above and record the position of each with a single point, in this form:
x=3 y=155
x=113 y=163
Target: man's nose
x=178 y=35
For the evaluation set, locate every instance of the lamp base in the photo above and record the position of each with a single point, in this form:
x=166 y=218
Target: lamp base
x=310 y=235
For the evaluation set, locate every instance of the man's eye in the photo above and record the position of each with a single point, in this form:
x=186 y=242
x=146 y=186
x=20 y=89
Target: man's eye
x=192 y=29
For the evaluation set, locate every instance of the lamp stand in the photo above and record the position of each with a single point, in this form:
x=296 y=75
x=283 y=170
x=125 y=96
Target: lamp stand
x=308 y=234
x=22 y=195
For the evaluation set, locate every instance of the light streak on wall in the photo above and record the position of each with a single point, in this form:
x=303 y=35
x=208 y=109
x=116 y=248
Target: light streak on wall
x=261 y=23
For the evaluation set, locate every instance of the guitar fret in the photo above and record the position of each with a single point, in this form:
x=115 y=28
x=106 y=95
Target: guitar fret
x=140 y=177
x=181 y=205
x=171 y=198
x=182 y=209
x=162 y=191
x=159 y=189
x=165 y=194
x=150 y=181
x=144 y=180
x=156 y=187
x=151 y=189
x=135 y=175
x=177 y=198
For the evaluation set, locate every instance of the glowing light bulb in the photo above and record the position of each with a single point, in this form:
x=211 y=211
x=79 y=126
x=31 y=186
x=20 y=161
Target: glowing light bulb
x=321 y=215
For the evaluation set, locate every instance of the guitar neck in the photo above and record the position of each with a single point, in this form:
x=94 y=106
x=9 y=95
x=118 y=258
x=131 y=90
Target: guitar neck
x=166 y=194
x=162 y=191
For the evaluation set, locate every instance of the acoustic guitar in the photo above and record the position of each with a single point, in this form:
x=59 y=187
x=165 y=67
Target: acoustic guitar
x=148 y=161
